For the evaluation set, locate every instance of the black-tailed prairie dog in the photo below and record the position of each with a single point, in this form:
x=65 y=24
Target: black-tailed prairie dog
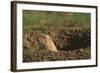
x=47 y=42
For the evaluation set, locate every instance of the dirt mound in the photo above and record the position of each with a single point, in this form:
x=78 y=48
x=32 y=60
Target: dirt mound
x=71 y=45
x=61 y=39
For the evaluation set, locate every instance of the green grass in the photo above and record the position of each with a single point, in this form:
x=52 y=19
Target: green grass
x=33 y=20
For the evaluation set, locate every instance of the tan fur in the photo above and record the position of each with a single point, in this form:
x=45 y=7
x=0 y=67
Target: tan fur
x=47 y=42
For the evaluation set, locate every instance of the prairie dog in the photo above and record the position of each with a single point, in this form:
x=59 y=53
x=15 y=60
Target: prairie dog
x=47 y=42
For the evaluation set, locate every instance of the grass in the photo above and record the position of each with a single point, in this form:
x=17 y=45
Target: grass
x=33 y=20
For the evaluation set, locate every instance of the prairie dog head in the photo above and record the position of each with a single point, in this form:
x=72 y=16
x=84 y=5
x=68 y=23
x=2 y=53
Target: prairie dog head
x=47 y=42
x=44 y=38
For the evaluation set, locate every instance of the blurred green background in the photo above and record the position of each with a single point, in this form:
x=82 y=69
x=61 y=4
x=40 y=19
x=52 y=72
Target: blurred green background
x=42 y=20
